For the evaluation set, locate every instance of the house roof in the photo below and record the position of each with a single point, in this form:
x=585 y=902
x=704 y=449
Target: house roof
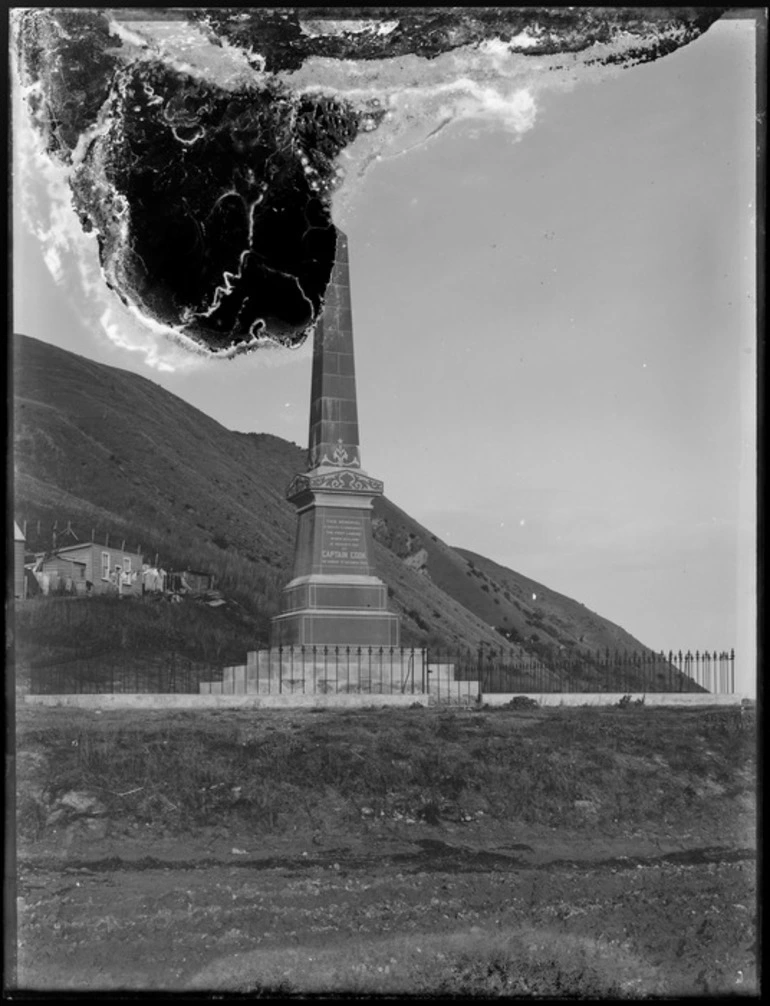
x=89 y=544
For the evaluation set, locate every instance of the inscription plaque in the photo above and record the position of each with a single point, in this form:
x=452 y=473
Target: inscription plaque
x=343 y=542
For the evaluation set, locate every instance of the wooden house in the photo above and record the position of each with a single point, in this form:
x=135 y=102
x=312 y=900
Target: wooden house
x=93 y=568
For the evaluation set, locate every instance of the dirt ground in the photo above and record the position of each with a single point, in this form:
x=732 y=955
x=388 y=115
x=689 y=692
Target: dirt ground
x=394 y=905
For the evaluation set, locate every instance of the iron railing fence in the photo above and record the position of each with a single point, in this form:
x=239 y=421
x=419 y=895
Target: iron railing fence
x=287 y=670
x=497 y=670
x=443 y=674
x=102 y=675
x=327 y=669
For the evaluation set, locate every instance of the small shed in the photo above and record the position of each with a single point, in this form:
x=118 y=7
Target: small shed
x=19 y=579
x=192 y=581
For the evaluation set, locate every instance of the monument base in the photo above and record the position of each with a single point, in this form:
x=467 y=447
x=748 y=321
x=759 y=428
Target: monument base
x=335 y=627
x=324 y=670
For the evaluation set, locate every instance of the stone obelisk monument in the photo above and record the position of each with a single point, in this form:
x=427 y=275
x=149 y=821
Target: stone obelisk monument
x=334 y=597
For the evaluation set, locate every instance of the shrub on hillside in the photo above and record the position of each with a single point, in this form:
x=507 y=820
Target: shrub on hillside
x=521 y=702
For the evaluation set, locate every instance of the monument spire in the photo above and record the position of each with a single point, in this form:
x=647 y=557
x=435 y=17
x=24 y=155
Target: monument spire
x=334 y=597
x=333 y=439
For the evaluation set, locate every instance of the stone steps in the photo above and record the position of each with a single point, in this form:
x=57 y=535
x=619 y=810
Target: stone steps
x=295 y=671
x=298 y=671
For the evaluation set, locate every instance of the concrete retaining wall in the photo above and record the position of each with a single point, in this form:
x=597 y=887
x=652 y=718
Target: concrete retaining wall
x=187 y=701
x=361 y=700
x=612 y=699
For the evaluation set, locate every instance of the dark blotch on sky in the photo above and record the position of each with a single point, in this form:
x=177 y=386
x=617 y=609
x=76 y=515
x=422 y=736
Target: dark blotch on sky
x=212 y=206
x=277 y=36
x=229 y=230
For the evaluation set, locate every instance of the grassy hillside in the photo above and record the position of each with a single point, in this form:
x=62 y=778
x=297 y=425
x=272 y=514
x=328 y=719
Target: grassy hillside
x=111 y=452
x=524 y=610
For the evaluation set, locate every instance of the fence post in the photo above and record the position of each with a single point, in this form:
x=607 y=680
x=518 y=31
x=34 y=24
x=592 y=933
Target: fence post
x=611 y=684
x=732 y=672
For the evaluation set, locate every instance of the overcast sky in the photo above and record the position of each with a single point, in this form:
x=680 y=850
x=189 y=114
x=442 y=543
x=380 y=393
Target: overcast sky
x=555 y=339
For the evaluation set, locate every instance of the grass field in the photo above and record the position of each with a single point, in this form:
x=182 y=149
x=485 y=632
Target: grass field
x=583 y=852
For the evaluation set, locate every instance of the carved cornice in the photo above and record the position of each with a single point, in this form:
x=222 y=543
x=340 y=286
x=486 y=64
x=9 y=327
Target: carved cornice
x=342 y=480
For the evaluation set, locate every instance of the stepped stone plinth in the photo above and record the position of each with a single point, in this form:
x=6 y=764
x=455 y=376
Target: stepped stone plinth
x=310 y=670
x=335 y=596
x=307 y=670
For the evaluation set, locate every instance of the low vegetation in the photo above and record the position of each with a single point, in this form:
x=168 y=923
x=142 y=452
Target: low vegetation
x=116 y=633
x=560 y=853
x=274 y=771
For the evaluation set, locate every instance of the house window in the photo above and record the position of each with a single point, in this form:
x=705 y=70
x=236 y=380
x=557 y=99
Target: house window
x=126 y=564
x=105 y=565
